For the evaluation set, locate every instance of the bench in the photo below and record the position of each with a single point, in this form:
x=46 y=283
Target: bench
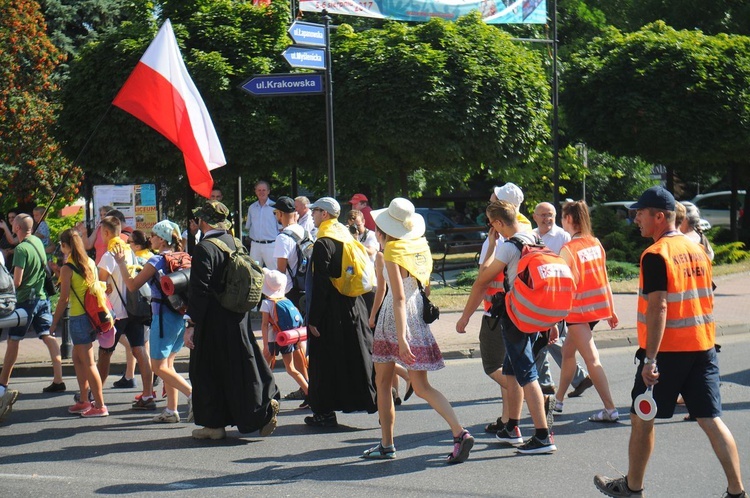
x=453 y=243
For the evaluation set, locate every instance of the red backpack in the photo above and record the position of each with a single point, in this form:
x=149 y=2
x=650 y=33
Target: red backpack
x=542 y=292
x=102 y=318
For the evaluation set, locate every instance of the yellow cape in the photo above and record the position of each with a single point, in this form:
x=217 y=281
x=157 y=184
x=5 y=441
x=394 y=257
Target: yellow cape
x=412 y=255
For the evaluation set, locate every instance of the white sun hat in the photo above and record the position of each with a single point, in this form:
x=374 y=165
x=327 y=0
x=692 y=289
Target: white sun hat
x=399 y=220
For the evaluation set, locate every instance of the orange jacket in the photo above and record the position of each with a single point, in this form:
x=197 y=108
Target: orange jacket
x=592 y=299
x=690 y=299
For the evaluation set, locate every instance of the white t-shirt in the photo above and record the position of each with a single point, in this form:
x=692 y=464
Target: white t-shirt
x=509 y=254
x=286 y=247
x=370 y=241
x=109 y=264
x=555 y=238
x=266 y=306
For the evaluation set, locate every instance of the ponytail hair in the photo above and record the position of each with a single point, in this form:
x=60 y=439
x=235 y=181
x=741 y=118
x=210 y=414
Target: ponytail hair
x=176 y=240
x=72 y=239
x=579 y=214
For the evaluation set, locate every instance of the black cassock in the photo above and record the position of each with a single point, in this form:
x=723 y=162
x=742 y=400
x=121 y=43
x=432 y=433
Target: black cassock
x=341 y=370
x=232 y=384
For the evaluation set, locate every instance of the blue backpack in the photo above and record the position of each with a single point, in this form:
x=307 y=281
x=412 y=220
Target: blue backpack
x=285 y=315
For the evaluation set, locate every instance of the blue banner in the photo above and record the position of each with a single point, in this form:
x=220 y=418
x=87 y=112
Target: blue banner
x=493 y=11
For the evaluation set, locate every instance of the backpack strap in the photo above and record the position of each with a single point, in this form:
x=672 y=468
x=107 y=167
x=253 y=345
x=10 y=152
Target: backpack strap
x=274 y=318
x=80 y=272
x=222 y=245
x=297 y=241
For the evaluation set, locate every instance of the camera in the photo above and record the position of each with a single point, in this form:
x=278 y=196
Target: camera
x=353 y=229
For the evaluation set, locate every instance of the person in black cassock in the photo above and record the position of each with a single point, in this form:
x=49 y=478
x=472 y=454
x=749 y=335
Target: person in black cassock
x=232 y=384
x=339 y=340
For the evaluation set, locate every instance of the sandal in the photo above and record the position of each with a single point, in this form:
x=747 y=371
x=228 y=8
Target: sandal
x=605 y=416
x=380 y=452
x=461 y=448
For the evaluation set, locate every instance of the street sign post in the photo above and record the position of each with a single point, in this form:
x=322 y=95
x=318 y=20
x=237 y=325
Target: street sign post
x=275 y=85
x=309 y=34
x=305 y=57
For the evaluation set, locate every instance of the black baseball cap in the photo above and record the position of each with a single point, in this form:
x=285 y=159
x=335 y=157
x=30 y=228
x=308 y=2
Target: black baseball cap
x=657 y=198
x=284 y=204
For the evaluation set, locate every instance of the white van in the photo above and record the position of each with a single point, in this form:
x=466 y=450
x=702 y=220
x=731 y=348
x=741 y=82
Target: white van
x=714 y=206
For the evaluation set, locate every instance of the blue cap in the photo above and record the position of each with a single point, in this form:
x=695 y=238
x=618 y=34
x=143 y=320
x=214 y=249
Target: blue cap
x=657 y=198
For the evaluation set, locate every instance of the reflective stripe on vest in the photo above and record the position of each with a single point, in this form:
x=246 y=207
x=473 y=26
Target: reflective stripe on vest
x=494 y=287
x=690 y=322
x=592 y=300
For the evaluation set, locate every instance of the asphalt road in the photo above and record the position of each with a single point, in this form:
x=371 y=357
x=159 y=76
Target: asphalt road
x=46 y=452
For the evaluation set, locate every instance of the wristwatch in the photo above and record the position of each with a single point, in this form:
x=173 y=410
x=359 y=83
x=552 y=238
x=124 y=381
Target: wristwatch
x=649 y=361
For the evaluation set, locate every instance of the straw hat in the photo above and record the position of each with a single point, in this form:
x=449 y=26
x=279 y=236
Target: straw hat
x=399 y=220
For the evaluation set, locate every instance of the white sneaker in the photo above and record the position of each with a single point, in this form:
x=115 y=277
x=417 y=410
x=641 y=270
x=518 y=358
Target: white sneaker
x=167 y=418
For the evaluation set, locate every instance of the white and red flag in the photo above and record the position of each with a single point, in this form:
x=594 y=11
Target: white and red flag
x=161 y=93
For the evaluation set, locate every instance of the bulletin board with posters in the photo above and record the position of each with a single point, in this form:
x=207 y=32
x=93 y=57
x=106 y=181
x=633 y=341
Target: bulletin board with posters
x=136 y=202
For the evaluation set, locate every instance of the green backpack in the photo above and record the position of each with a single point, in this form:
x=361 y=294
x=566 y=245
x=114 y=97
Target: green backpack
x=242 y=279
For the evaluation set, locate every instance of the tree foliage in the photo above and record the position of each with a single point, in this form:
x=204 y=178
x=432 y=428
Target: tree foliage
x=437 y=101
x=31 y=163
x=670 y=97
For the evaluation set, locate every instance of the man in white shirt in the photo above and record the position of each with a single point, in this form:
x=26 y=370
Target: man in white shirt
x=262 y=227
x=301 y=205
x=285 y=248
x=555 y=237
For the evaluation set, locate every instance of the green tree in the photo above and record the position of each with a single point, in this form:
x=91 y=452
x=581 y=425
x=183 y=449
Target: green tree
x=31 y=163
x=434 y=104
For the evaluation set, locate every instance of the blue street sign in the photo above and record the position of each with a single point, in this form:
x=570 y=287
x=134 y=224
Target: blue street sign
x=303 y=57
x=274 y=85
x=305 y=33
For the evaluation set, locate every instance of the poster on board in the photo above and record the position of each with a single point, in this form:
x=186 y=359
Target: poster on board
x=136 y=202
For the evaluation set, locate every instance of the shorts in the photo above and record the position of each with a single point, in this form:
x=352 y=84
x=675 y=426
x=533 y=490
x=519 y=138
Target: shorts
x=695 y=375
x=161 y=348
x=275 y=349
x=519 y=358
x=134 y=330
x=491 y=344
x=40 y=317
x=80 y=330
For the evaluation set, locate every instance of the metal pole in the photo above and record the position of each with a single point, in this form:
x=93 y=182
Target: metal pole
x=65 y=344
x=555 y=130
x=329 y=108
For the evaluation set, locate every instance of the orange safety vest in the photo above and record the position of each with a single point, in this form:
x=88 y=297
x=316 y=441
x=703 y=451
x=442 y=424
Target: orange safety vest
x=592 y=299
x=690 y=299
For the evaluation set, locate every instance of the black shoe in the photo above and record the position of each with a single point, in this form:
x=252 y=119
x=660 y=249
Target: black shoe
x=124 y=383
x=585 y=384
x=396 y=397
x=549 y=410
x=548 y=389
x=409 y=392
x=495 y=426
x=54 y=388
x=156 y=380
x=535 y=446
x=322 y=420
x=305 y=404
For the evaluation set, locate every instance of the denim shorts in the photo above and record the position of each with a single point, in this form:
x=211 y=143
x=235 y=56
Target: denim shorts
x=695 y=375
x=38 y=311
x=81 y=331
x=519 y=357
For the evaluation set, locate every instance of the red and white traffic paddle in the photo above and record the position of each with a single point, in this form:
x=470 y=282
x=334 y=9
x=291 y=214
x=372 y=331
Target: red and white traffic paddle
x=645 y=406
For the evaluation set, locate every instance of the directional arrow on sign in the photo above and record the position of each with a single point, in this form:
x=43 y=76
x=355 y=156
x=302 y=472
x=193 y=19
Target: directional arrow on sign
x=303 y=57
x=274 y=85
x=306 y=33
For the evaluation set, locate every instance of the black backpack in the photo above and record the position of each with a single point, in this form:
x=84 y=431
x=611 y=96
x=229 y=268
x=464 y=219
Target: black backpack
x=7 y=292
x=304 y=256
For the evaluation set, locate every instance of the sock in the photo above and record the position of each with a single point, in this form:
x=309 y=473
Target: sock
x=511 y=424
x=146 y=398
x=169 y=412
x=541 y=434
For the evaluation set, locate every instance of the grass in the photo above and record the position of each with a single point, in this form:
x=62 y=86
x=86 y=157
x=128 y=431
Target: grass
x=453 y=298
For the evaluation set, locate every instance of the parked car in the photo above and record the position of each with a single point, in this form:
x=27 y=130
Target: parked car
x=714 y=206
x=437 y=219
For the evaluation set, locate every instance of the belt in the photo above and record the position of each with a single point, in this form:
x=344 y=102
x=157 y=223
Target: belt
x=262 y=241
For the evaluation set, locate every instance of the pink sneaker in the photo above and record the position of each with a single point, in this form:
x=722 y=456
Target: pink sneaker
x=94 y=411
x=80 y=407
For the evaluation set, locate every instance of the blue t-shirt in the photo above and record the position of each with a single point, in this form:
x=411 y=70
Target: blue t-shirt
x=159 y=262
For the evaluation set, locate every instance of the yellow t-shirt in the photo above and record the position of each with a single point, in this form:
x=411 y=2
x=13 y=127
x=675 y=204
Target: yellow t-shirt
x=78 y=286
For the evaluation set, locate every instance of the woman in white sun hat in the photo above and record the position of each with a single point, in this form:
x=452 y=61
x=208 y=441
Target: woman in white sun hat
x=401 y=335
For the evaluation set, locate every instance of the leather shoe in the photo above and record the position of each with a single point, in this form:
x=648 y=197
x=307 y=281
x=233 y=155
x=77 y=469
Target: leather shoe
x=210 y=433
x=585 y=384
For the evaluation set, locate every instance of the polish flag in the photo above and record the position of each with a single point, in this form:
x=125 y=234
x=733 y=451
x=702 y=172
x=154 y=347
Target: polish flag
x=160 y=93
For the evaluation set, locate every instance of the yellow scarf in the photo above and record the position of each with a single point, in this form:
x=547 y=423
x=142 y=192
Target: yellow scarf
x=334 y=230
x=412 y=255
